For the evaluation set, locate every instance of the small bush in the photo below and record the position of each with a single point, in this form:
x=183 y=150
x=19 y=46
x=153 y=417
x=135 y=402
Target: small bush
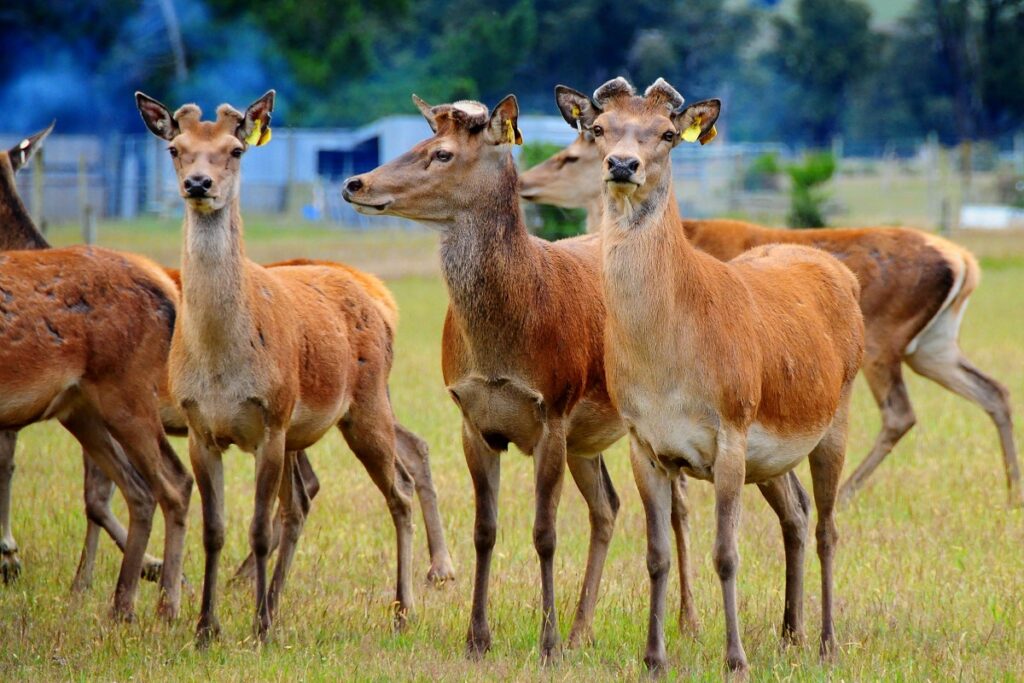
x=551 y=222
x=763 y=173
x=807 y=199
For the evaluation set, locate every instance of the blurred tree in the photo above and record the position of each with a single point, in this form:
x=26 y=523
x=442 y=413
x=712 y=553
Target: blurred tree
x=827 y=49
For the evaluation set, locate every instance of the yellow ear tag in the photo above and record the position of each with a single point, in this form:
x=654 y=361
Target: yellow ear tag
x=253 y=138
x=514 y=138
x=264 y=137
x=693 y=132
x=709 y=136
x=576 y=115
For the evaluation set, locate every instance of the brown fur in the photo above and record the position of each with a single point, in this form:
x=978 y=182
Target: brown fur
x=906 y=277
x=522 y=349
x=83 y=334
x=269 y=359
x=731 y=372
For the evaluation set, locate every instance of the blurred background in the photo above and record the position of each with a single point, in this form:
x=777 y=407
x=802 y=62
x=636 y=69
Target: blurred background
x=835 y=111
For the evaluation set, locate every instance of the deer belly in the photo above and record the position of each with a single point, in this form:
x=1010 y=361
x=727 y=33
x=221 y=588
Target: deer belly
x=770 y=454
x=309 y=424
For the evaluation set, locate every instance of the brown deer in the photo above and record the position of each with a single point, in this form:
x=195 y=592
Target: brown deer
x=18 y=231
x=730 y=372
x=522 y=350
x=83 y=337
x=270 y=359
x=914 y=290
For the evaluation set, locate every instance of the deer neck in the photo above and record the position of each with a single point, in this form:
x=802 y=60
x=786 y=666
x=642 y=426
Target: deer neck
x=215 y=308
x=652 y=274
x=17 y=230
x=487 y=258
x=595 y=214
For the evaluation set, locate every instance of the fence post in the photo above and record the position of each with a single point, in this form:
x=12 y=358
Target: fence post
x=37 y=192
x=88 y=215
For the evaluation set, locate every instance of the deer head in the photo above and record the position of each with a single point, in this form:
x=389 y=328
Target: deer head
x=570 y=178
x=635 y=135
x=207 y=154
x=448 y=172
x=17 y=157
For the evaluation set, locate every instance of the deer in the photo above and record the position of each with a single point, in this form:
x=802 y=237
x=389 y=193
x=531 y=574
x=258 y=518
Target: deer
x=83 y=335
x=915 y=287
x=523 y=352
x=731 y=372
x=18 y=231
x=270 y=359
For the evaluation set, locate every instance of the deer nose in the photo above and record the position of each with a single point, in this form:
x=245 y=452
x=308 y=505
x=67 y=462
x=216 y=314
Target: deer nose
x=622 y=168
x=353 y=185
x=198 y=185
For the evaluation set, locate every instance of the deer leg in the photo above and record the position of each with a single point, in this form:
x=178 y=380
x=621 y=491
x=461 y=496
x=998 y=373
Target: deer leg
x=97 y=438
x=788 y=498
x=656 y=494
x=370 y=433
x=415 y=455
x=208 y=468
x=549 y=470
x=688 y=621
x=591 y=477
x=485 y=470
x=10 y=565
x=99 y=491
x=729 y=471
x=885 y=377
x=948 y=366
x=270 y=464
x=293 y=508
x=826 y=461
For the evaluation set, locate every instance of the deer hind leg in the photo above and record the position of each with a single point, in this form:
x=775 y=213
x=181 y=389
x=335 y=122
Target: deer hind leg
x=549 y=471
x=270 y=468
x=656 y=494
x=942 y=361
x=484 y=465
x=370 y=433
x=826 y=462
x=99 y=491
x=688 y=621
x=591 y=477
x=293 y=508
x=246 y=572
x=884 y=374
x=10 y=564
x=97 y=438
x=415 y=456
x=788 y=498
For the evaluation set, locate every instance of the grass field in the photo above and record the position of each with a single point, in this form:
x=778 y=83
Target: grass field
x=930 y=575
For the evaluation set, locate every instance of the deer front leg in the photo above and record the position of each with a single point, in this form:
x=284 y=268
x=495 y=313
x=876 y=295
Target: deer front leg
x=688 y=621
x=270 y=461
x=656 y=494
x=208 y=469
x=789 y=500
x=10 y=565
x=485 y=470
x=729 y=471
x=549 y=471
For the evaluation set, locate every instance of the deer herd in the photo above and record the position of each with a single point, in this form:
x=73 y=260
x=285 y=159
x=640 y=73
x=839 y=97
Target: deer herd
x=725 y=351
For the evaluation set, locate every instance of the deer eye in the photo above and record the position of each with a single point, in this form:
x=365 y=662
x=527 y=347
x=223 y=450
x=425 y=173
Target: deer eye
x=173 y=151
x=598 y=131
x=237 y=152
x=571 y=160
x=443 y=155
x=669 y=136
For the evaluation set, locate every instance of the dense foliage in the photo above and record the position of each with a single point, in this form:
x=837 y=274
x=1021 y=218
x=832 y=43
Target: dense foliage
x=816 y=69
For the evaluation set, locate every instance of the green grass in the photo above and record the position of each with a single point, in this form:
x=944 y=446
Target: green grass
x=930 y=577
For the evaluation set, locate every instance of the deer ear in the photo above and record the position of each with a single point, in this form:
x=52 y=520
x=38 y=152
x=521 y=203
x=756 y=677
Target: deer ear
x=255 y=126
x=426 y=110
x=578 y=110
x=503 y=126
x=156 y=116
x=697 y=121
x=24 y=150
